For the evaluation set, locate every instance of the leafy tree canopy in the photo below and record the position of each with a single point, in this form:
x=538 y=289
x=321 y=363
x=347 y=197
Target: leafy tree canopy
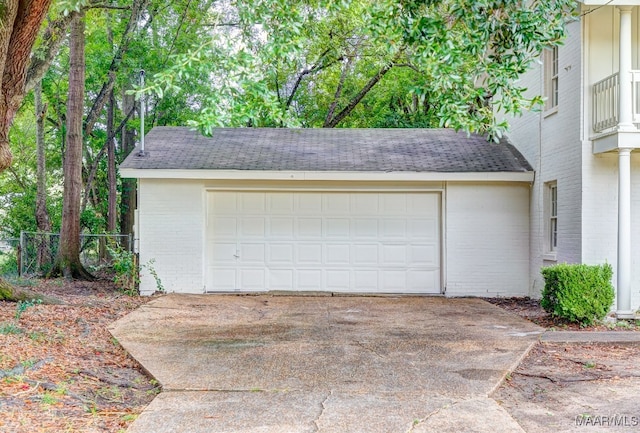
x=447 y=63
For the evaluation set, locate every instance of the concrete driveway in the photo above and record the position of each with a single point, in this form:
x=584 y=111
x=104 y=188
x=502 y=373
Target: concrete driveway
x=329 y=364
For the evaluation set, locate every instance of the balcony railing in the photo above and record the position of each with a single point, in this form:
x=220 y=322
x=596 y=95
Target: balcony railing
x=606 y=101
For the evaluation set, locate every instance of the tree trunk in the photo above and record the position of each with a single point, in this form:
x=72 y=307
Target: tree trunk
x=14 y=294
x=68 y=260
x=111 y=168
x=19 y=25
x=42 y=215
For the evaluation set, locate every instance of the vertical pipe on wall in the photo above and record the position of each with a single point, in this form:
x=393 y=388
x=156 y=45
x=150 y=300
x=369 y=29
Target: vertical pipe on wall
x=142 y=110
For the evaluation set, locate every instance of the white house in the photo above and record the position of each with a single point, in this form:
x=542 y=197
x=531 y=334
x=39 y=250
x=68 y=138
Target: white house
x=426 y=211
x=587 y=188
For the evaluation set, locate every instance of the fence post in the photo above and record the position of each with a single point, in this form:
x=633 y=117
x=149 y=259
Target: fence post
x=19 y=253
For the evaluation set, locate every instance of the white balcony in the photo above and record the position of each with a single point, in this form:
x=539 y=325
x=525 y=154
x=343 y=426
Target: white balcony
x=605 y=111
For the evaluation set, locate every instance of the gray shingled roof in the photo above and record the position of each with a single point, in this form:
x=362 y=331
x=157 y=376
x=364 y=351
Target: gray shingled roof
x=372 y=150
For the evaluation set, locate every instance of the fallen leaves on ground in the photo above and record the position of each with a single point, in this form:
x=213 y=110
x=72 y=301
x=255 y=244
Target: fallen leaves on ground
x=60 y=368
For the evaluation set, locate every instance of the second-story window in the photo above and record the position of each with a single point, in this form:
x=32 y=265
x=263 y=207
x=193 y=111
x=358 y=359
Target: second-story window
x=550 y=62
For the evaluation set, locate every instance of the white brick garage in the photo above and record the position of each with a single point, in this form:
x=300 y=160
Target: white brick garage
x=371 y=214
x=371 y=242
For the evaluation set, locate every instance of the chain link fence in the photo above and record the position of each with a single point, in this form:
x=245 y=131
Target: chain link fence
x=36 y=251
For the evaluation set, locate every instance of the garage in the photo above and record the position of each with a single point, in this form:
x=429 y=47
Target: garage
x=331 y=211
x=366 y=242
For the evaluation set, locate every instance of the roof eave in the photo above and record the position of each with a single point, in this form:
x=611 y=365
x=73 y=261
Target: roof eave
x=398 y=176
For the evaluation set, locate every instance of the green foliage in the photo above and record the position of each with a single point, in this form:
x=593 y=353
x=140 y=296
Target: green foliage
x=125 y=266
x=578 y=292
x=152 y=270
x=9 y=328
x=8 y=263
x=300 y=62
x=22 y=306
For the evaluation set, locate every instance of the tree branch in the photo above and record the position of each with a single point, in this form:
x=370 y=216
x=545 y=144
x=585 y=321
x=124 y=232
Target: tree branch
x=52 y=39
x=332 y=122
x=107 y=86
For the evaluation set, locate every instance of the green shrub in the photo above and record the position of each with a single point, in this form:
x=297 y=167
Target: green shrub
x=578 y=293
x=125 y=266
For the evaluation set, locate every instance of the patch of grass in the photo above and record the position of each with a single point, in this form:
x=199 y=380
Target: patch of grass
x=9 y=328
x=37 y=336
x=129 y=417
x=28 y=363
x=589 y=364
x=48 y=398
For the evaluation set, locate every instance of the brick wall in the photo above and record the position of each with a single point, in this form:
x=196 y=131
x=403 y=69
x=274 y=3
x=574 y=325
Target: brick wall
x=487 y=239
x=171 y=216
x=551 y=142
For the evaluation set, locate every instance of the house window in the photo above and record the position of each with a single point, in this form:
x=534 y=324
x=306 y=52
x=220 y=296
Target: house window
x=552 y=217
x=550 y=62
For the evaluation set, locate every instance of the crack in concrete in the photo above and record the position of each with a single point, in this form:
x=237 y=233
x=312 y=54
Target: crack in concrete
x=417 y=422
x=322 y=405
x=369 y=349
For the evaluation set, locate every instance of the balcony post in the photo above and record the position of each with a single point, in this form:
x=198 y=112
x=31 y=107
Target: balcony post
x=625 y=121
x=623 y=307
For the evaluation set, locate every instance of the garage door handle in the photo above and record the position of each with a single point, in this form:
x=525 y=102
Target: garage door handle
x=237 y=255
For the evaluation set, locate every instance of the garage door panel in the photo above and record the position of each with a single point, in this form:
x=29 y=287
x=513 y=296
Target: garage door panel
x=281 y=228
x=365 y=228
x=366 y=280
x=394 y=228
x=280 y=203
x=223 y=227
x=423 y=228
x=337 y=228
x=423 y=204
x=251 y=253
x=393 y=280
x=308 y=203
x=394 y=255
x=365 y=204
x=309 y=279
x=423 y=281
x=224 y=252
x=338 y=280
x=336 y=203
x=252 y=202
x=309 y=228
x=426 y=255
x=365 y=254
x=309 y=254
x=252 y=227
x=393 y=204
x=252 y=279
x=280 y=254
x=281 y=279
x=346 y=242
x=224 y=203
x=338 y=254
x=223 y=279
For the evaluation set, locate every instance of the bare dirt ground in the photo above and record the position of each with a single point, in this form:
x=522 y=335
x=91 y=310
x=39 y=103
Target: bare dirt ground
x=61 y=370
x=572 y=387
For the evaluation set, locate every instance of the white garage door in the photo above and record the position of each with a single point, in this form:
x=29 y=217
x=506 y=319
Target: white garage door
x=323 y=241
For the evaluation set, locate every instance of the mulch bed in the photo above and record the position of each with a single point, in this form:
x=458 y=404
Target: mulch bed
x=61 y=370
x=531 y=310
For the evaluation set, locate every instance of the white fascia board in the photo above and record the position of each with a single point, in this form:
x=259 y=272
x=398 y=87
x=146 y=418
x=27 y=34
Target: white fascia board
x=526 y=176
